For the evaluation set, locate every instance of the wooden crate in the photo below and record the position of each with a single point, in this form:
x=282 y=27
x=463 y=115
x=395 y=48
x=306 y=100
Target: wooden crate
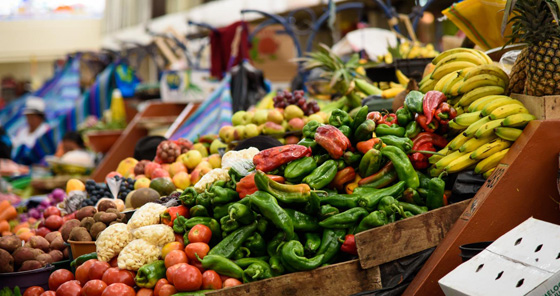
x=344 y=278
x=546 y=107
x=406 y=237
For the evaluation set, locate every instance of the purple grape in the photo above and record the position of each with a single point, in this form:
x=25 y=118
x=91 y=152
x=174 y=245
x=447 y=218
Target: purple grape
x=301 y=102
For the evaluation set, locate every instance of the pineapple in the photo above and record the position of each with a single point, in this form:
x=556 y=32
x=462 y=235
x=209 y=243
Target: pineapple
x=536 y=71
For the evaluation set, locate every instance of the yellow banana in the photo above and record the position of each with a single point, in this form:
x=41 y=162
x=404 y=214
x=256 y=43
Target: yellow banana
x=445 y=69
x=489 y=149
x=391 y=92
x=457 y=142
x=454 y=91
x=480 y=92
x=401 y=77
x=450 y=52
x=454 y=125
x=467 y=119
x=460 y=163
x=469 y=132
x=471 y=57
x=428 y=86
x=473 y=144
x=518 y=120
x=435 y=158
x=488 y=173
x=444 y=80
x=449 y=158
x=479 y=104
x=507 y=110
x=508 y=133
x=485 y=57
x=490 y=107
x=480 y=81
x=490 y=162
x=424 y=80
x=450 y=84
x=487 y=129
x=488 y=69
x=460 y=110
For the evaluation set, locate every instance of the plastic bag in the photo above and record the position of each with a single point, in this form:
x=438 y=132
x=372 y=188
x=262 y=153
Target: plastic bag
x=137 y=254
x=112 y=241
x=158 y=234
x=148 y=214
x=247 y=86
x=508 y=60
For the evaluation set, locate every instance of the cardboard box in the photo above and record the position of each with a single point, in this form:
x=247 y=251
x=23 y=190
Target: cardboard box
x=545 y=107
x=524 y=261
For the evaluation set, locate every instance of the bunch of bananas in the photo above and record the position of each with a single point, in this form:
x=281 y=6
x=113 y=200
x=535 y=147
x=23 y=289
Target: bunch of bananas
x=408 y=50
x=488 y=121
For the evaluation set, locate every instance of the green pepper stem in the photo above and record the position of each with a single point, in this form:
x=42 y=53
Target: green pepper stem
x=426 y=152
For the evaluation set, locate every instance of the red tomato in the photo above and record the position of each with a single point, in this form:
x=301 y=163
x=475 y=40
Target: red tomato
x=175 y=257
x=118 y=289
x=42 y=231
x=198 y=265
x=196 y=248
x=171 y=271
x=54 y=222
x=52 y=210
x=114 y=262
x=200 y=234
x=97 y=269
x=145 y=292
x=158 y=286
x=82 y=272
x=59 y=277
x=34 y=291
x=115 y=275
x=48 y=293
x=211 y=280
x=179 y=238
x=231 y=282
x=167 y=290
x=187 y=278
x=70 y=288
x=94 y=288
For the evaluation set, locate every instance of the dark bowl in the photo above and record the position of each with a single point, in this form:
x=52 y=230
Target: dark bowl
x=26 y=279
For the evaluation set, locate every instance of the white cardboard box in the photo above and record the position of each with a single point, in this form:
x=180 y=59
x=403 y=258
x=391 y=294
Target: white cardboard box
x=524 y=261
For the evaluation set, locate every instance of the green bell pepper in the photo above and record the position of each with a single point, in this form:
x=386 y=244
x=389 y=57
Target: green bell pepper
x=371 y=197
x=221 y=265
x=374 y=219
x=412 y=129
x=321 y=158
x=339 y=118
x=309 y=142
x=405 y=144
x=436 y=188
x=276 y=265
x=390 y=206
x=199 y=211
x=204 y=200
x=241 y=213
x=345 y=219
x=361 y=117
x=274 y=243
x=292 y=254
x=323 y=175
x=188 y=197
x=269 y=208
x=312 y=242
x=314 y=205
x=385 y=130
x=310 y=128
x=259 y=270
x=148 y=275
x=228 y=225
x=414 y=102
x=404 y=116
x=346 y=130
x=370 y=163
x=256 y=244
x=327 y=211
x=402 y=165
x=233 y=241
x=301 y=221
x=352 y=158
x=241 y=253
x=221 y=195
x=365 y=131
x=296 y=170
x=220 y=211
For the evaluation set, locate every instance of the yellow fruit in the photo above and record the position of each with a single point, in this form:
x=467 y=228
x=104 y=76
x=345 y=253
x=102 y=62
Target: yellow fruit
x=75 y=185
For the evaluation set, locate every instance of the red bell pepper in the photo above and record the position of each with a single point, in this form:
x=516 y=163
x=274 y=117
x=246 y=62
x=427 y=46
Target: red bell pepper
x=171 y=213
x=333 y=140
x=349 y=245
x=423 y=122
x=425 y=142
x=425 y=137
x=269 y=159
x=375 y=116
x=445 y=113
x=432 y=100
x=247 y=186
x=365 y=146
x=389 y=119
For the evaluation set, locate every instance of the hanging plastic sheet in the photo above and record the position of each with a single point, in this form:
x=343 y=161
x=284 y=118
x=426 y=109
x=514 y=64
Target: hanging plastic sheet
x=480 y=20
x=210 y=116
x=247 y=86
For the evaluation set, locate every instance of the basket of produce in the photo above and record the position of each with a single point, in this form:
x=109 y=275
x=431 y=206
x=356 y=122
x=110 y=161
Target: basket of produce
x=81 y=248
x=28 y=278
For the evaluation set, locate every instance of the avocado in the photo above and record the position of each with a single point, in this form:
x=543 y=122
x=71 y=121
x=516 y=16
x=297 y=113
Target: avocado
x=143 y=196
x=163 y=185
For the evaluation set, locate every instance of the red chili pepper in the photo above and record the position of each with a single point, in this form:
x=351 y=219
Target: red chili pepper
x=247 y=186
x=420 y=160
x=432 y=100
x=445 y=113
x=423 y=122
x=170 y=214
x=365 y=146
x=333 y=140
x=425 y=137
x=346 y=175
x=389 y=119
x=269 y=159
x=349 y=245
x=375 y=116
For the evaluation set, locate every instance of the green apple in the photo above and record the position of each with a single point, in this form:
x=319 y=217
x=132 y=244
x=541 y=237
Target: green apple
x=271 y=128
x=317 y=118
x=215 y=160
x=239 y=132
x=275 y=116
x=216 y=145
x=224 y=131
x=201 y=148
x=260 y=117
x=248 y=118
x=251 y=130
x=192 y=158
x=293 y=111
x=238 y=118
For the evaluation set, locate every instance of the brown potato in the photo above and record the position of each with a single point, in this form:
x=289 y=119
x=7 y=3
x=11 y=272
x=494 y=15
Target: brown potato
x=87 y=223
x=23 y=254
x=39 y=242
x=6 y=261
x=106 y=204
x=56 y=255
x=67 y=228
x=85 y=212
x=80 y=234
x=44 y=259
x=57 y=244
x=96 y=229
x=30 y=265
x=107 y=217
x=10 y=243
x=65 y=252
x=52 y=235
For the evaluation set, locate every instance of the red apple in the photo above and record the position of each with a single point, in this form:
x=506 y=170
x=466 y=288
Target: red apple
x=112 y=174
x=69 y=217
x=54 y=222
x=52 y=210
x=42 y=231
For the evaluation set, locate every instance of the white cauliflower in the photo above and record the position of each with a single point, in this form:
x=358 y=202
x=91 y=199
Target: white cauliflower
x=211 y=177
x=231 y=157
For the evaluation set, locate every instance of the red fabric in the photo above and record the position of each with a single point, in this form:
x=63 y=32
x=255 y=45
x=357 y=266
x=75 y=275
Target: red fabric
x=220 y=48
